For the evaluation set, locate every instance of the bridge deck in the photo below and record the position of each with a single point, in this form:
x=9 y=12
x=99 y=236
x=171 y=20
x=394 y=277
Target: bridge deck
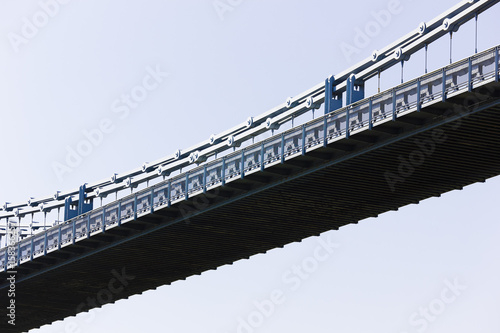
x=328 y=187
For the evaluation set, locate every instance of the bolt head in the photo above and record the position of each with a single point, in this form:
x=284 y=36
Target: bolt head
x=249 y=122
x=446 y=24
x=230 y=140
x=422 y=27
x=398 y=54
x=309 y=102
x=177 y=154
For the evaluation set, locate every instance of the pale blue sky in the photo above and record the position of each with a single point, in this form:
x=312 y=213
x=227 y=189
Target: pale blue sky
x=68 y=77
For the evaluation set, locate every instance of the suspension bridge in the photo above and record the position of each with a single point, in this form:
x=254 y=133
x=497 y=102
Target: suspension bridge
x=229 y=197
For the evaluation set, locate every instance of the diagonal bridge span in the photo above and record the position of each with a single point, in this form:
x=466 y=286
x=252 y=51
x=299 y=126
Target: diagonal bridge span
x=431 y=135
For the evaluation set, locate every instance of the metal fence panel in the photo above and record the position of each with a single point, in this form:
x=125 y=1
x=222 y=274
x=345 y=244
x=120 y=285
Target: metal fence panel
x=127 y=209
x=293 y=142
x=272 y=151
x=38 y=244
x=81 y=227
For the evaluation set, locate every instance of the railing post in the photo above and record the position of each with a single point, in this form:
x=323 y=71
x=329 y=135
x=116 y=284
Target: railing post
x=394 y=115
x=419 y=97
x=18 y=252
x=59 y=236
x=169 y=202
x=469 y=76
x=74 y=231
x=370 y=113
x=119 y=213
x=303 y=139
x=242 y=166
x=135 y=206
x=104 y=220
x=325 y=136
x=152 y=210
x=443 y=92
x=186 y=189
x=223 y=171
x=45 y=241
x=349 y=90
x=88 y=226
x=31 y=249
x=347 y=121
x=205 y=179
x=496 y=64
x=282 y=148
x=262 y=157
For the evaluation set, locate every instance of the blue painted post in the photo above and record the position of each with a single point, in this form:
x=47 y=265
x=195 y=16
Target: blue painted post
x=186 y=196
x=18 y=253
x=282 y=148
x=332 y=102
x=242 y=166
x=74 y=230
x=347 y=120
x=82 y=206
x=394 y=115
x=469 y=76
x=496 y=64
x=223 y=171
x=262 y=157
x=303 y=139
x=45 y=241
x=443 y=92
x=328 y=95
x=354 y=92
x=151 y=210
x=370 y=114
x=349 y=90
x=88 y=226
x=135 y=206
x=419 y=98
x=81 y=199
x=119 y=213
x=68 y=211
x=103 y=220
x=59 y=238
x=205 y=179
x=169 y=201
x=325 y=136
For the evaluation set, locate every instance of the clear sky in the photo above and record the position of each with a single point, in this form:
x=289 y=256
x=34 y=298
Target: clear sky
x=431 y=267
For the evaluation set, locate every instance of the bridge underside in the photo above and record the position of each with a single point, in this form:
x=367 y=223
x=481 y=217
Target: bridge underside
x=325 y=189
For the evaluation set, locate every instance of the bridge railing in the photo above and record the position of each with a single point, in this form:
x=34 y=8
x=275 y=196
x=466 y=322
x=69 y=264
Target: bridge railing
x=428 y=89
